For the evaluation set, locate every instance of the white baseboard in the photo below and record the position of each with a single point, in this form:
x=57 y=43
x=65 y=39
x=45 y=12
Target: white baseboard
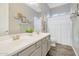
x=54 y=45
x=74 y=51
x=64 y=43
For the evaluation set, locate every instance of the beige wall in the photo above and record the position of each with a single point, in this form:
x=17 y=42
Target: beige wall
x=4 y=19
x=75 y=37
x=14 y=8
x=75 y=29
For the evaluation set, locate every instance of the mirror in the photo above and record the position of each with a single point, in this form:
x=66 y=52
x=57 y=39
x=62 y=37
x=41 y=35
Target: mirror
x=16 y=18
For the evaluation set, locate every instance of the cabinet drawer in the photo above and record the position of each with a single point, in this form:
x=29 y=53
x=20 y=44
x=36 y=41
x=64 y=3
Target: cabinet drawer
x=37 y=52
x=48 y=43
x=44 y=41
x=38 y=44
x=28 y=51
x=15 y=54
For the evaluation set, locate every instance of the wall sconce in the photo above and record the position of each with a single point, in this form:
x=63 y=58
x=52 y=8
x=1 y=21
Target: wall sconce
x=76 y=11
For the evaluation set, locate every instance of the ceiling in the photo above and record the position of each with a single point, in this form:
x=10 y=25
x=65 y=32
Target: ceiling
x=52 y=5
x=50 y=8
x=35 y=7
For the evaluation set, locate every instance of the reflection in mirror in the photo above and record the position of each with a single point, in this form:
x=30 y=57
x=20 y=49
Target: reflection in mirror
x=16 y=18
x=21 y=18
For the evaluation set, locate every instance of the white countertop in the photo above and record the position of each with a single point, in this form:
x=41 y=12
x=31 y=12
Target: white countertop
x=8 y=46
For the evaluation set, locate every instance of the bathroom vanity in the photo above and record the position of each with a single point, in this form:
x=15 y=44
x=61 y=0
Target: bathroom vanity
x=26 y=45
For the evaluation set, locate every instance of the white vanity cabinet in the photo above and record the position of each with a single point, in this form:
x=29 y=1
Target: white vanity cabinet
x=25 y=46
x=40 y=48
x=28 y=51
x=33 y=50
x=37 y=52
x=44 y=47
x=48 y=43
x=15 y=54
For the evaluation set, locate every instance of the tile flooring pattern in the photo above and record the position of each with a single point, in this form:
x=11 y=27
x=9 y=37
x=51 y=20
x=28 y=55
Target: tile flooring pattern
x=61 y=50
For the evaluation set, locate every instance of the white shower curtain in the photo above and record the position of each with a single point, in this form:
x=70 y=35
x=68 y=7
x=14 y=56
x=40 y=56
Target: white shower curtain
x=60 y=28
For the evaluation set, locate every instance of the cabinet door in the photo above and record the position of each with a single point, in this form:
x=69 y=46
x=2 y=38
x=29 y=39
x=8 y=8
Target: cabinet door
x=48 y=43
x=15 y=54
x=37 y=52
x=44 y=47
x=28 y=51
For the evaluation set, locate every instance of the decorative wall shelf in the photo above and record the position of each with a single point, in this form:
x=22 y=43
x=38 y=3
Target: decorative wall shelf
x=21 y=18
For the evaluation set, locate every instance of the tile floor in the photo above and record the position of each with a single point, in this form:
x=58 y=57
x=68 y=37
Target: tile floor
x=61 y=50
